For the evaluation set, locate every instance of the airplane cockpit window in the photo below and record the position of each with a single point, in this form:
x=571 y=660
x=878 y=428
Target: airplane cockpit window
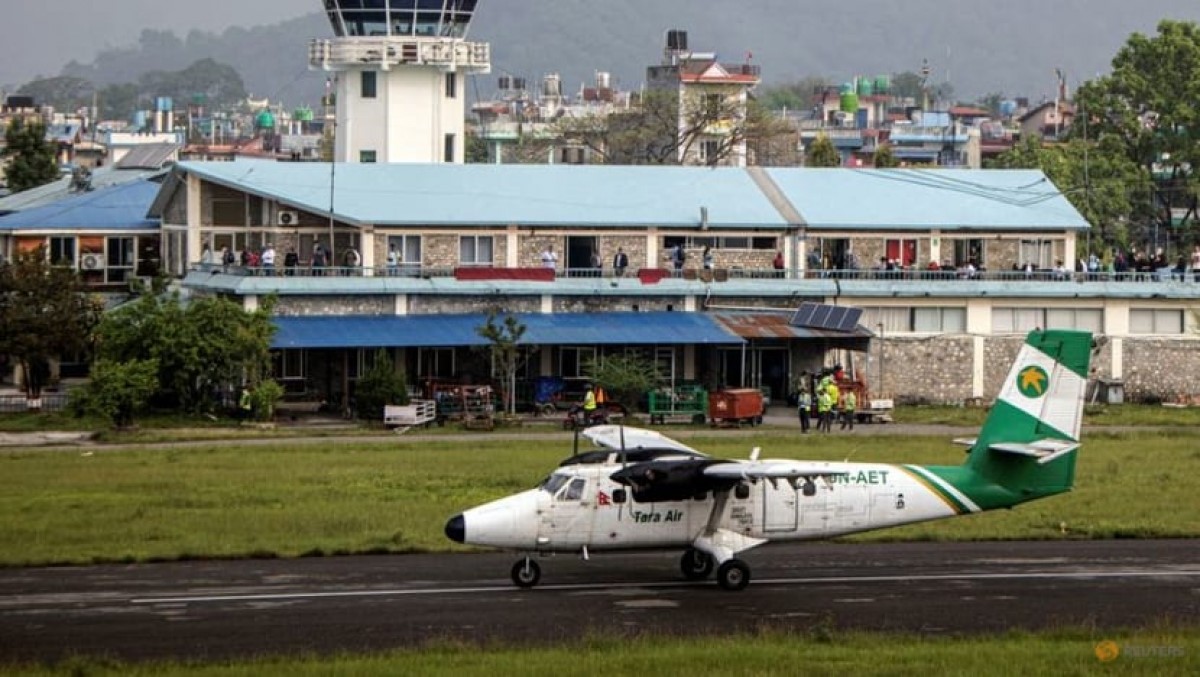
x=574 y=492
x=553 y=483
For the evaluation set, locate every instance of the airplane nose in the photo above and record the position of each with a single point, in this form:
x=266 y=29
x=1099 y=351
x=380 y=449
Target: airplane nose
x=456 y=529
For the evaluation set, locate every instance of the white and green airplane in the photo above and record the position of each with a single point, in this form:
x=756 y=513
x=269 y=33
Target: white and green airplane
x=646 y=491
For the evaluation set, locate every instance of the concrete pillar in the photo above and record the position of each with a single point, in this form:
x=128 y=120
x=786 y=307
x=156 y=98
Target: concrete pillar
x=401 y=307
x=194 y=244
x=547 y=304
x=368 y=252
x=978 y=365
x=512 y=252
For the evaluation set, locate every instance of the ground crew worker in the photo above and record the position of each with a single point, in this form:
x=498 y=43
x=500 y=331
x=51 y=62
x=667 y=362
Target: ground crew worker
x=849 y=406
x=804 y=408
x=244 y=404
x=824 y=410
x=588 y=409
x=589 y=400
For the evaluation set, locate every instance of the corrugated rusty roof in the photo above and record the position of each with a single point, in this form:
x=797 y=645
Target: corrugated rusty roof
x=772 y=325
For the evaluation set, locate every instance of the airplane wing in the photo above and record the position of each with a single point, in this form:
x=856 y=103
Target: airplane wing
x=612 y=436
x=769 y=470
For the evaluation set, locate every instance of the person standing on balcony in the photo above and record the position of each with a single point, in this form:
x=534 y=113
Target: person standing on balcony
x=777 y=264
x=1196 y=263
x=549 y=258
x=268 y=260
x=621 y=262
x=318 y=260
x=393 y=261
x=678 y=256
x=706 y=258
x=290 y=261
x=350 y=262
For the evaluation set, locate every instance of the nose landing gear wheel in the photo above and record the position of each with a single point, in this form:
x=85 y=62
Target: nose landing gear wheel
x=733 y=575
x=696 y=565
x=526 y=573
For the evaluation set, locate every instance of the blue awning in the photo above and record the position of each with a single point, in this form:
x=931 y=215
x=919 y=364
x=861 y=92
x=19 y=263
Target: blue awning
x=457 y=331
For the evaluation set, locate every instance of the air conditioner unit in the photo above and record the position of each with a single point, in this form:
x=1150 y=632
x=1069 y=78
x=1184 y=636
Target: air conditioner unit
x=92 y=262
x=287 y=218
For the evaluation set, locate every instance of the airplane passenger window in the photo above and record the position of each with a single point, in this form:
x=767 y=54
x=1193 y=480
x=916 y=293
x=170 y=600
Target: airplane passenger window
x=575 y=491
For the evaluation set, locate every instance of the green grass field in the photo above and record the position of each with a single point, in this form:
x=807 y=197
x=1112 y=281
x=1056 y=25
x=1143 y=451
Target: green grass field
x=1152 y=652
x=227 y=500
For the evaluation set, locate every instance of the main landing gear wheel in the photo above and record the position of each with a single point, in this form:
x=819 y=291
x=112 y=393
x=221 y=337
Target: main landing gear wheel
x=696 y=565
x=526 y=573
x=733 y=575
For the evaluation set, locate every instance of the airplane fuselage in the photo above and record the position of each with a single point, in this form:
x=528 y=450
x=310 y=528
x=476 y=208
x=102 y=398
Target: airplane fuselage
x=582 y=509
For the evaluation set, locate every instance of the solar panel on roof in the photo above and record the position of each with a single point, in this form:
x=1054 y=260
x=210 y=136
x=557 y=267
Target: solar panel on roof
x=824 y=316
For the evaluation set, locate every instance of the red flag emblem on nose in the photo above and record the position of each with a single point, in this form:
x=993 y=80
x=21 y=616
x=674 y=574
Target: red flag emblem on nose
x=603 y=499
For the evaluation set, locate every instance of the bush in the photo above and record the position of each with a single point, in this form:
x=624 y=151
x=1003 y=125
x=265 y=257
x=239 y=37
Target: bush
x=263 y=399
x=380 y=386
x=626 y=378
x=118 y=390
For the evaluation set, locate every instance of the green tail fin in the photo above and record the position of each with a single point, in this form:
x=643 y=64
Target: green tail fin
x=1029 y=441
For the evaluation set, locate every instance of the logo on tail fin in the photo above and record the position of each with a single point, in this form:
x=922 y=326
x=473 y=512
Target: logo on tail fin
x=1032 y=382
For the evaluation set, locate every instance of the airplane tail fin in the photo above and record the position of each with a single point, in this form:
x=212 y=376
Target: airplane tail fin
x=1028 y=444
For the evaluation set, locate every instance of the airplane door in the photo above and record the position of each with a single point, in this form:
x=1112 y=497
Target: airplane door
x=781 y=510
x=567 y=520
x=814 y=509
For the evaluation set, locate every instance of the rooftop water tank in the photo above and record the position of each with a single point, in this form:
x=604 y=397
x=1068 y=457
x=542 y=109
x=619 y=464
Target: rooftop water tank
x=883 y=84
x=265 y=120
x=866 y=87
x=303 y=114
x=1008 y=107
x=849 y=103
x=164 y=104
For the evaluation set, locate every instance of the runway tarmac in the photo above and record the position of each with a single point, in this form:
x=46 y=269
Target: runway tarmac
x=223 y=610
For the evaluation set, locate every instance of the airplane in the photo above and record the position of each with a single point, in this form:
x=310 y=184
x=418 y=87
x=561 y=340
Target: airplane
x=644 y=490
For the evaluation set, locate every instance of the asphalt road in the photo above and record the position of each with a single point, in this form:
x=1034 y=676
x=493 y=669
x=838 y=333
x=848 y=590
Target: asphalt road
x=222 y=610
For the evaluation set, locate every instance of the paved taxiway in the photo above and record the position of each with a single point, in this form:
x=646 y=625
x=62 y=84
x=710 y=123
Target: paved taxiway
x=217 y=610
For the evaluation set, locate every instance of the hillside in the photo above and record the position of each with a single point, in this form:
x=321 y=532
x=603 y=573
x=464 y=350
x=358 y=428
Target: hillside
x=1011 y=48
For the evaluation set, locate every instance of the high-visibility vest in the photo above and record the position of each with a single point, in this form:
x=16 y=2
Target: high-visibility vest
x=589 y=401
x=850 y=403
x=824 y=402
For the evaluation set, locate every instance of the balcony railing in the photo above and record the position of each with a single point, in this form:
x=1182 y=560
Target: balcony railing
x=765 y=275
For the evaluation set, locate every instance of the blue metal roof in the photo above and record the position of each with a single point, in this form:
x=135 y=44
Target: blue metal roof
x=921 y=199
x=453 y=331
x=121 y=207
x=491 y=195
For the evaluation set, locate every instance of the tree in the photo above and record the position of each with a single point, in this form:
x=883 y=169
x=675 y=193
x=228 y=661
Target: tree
x=885 y=158
x=505 y=339
x=380 y=386
x=663 y=129
x=219 y=83
x=45 y=312
x=822 y=153
x=1097 y=178
x=32 y=158
x=796 y=95
x=1149 y=109
x=65 y=93
x=207 y=347
x=119 y=390
x=626 y=377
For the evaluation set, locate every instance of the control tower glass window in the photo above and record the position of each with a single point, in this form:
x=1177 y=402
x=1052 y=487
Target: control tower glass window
x=400 y=18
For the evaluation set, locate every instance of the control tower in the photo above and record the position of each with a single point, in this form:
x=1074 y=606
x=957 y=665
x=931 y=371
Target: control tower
x=400 y=83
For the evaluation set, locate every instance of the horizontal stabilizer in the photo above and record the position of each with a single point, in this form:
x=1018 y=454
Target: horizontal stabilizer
x=1043 y=450
x=620 y=437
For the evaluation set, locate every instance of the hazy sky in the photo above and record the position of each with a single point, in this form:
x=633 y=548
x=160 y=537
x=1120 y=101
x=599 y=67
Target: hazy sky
x=37 y=37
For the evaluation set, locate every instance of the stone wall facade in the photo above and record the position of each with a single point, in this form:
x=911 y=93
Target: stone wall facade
x=1161 y=369
x=320 y=306
x=466 y=305
x=608 y=304
x=924 y=370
